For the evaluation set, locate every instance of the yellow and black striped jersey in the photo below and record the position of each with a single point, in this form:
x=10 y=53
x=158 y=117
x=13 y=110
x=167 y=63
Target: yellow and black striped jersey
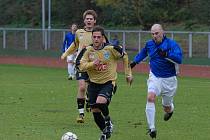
x=108 y=56
x=82 y=40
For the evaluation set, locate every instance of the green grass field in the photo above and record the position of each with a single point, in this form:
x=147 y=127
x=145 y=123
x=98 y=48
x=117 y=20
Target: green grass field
x=40 y=104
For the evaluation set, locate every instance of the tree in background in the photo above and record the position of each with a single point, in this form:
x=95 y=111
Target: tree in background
x=139 y=12
x=112 y=13
x=20 y=12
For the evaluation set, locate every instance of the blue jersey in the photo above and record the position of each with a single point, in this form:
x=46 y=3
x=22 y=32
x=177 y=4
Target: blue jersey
x=161 y=66
x=69 y=38
x=115 y=42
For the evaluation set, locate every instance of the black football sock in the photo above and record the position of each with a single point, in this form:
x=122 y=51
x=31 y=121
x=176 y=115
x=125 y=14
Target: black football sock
x=99 y=120
x=105 y=110
x=81 y=104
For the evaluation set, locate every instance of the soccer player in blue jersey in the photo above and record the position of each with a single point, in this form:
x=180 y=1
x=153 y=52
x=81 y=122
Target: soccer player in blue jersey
x=165 y=54
x=69 y=38
x=115 y=41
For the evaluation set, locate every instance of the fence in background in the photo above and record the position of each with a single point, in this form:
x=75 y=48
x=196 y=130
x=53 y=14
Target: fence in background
x=194 y=44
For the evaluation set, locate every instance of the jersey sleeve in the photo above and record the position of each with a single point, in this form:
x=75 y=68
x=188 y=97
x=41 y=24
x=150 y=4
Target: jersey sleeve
x=127 y=68
x=118 y=54
x=117 y=51
x=73 y=47
x=141 y=55
x=175 y=53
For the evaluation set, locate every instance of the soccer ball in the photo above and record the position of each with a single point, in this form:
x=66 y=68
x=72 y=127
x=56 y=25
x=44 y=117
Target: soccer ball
x=69 y=136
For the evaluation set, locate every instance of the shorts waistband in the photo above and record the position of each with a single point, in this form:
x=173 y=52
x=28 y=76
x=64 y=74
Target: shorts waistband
x=108 y=82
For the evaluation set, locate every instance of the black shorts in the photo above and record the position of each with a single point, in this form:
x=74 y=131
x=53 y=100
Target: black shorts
x=105 y=90
x=82 y=76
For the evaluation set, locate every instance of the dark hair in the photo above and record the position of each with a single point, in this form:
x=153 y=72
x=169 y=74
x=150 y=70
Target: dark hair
x=74 y=23
x=70 y=25
x=98 y=28
x=90 y=12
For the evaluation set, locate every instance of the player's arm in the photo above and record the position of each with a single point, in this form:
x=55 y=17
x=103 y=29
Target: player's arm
x=171 y=52
x=139 y=57
x=127 y=69
x=175 y=54
x=83 y=63
x=119 y=53
x=73 y=47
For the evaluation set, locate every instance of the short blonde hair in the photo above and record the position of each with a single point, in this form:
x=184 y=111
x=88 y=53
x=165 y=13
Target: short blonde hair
x=90 y=12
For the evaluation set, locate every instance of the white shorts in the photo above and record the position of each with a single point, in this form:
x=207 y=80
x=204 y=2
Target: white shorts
x=70 y=58
x=165 y=87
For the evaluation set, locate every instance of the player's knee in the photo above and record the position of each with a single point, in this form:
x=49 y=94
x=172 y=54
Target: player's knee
x=95 y=109
x=82 y=89
x=103 y=107
x=151 y=97
x=101 y=100
x=167 y=108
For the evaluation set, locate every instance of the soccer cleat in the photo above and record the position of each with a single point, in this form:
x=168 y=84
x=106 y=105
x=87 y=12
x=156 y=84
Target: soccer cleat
x=103 y=137
x=73 y=77
x=152 y=133
x=108 y=129
x=109 y=126
x=70 y=77
x=80 y=119
x=167 y=116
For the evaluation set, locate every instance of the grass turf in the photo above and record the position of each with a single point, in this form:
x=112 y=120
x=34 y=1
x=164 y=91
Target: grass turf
x=40 y=104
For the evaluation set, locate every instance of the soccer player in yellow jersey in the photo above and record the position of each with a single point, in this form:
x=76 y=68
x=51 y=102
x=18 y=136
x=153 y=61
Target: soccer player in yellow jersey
x=100 y=62
x=82 y=40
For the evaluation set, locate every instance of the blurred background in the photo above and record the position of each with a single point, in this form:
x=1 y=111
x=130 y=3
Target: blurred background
x=36 y=28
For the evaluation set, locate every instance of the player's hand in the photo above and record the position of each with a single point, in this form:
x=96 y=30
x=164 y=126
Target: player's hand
x=84 y=46
x=129 y=80
x=132 y=64
x=162 y=52
x=62 y=57
x=96 y=62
